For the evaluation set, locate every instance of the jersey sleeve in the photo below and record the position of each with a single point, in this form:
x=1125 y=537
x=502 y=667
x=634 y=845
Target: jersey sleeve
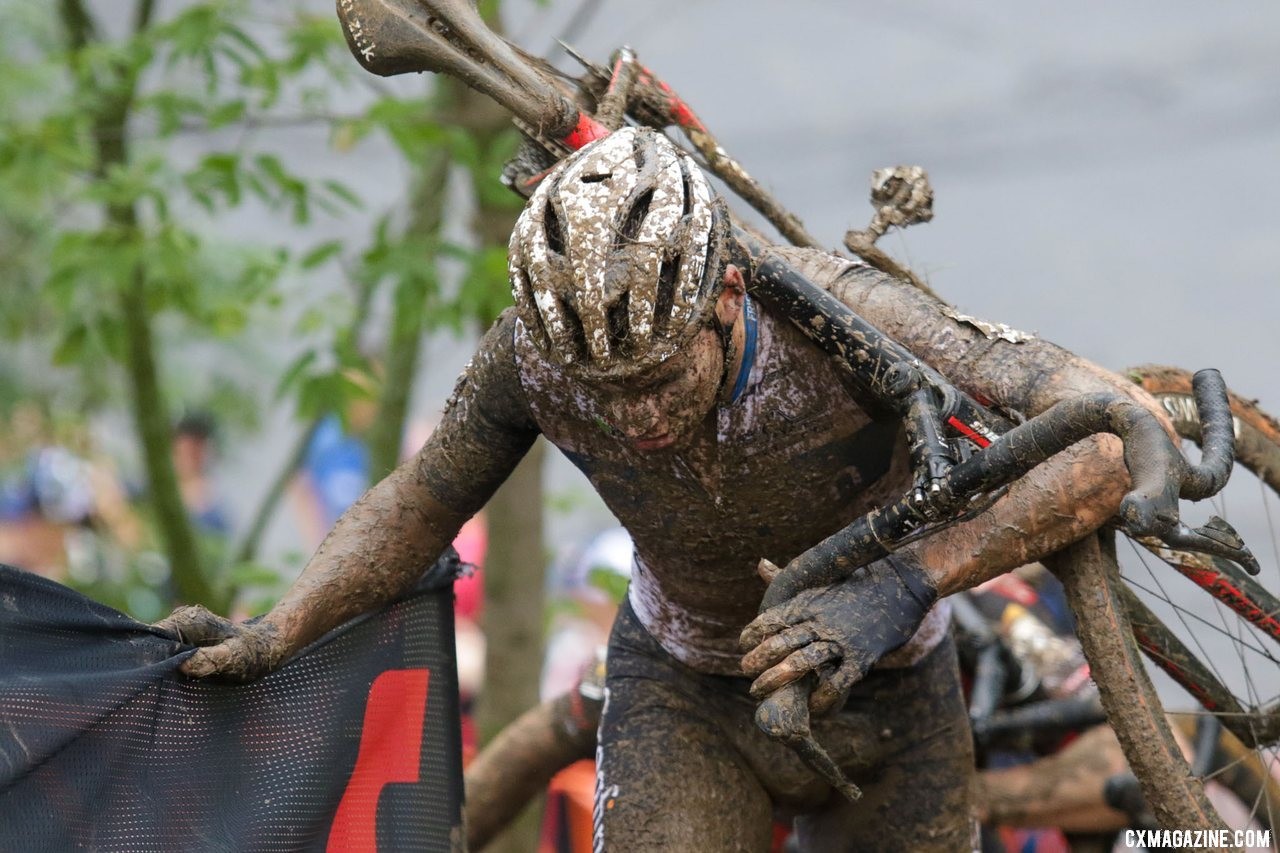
x=486 y=429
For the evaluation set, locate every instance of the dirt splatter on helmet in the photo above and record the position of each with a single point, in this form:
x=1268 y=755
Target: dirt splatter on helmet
x=617 y=259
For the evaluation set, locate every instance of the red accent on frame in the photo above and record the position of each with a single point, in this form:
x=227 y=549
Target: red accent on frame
x=964 y=429
x=681 y=112
x=587 y=130
x=613 y=76
x=390 y=751
x=1221 y=588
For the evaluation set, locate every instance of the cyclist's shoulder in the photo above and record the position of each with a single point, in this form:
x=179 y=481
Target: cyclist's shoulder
x=491 y=378
x=495 y=355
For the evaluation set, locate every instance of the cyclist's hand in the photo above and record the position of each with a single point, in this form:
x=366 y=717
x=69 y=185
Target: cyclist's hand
x=230 y=651
x=837 y=631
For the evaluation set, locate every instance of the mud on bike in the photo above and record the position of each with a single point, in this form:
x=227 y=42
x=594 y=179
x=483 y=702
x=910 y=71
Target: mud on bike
x=964 y=452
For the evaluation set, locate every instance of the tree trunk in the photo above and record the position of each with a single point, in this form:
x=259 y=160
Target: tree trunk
x=113 y=100
x=404 y=343
x=515 y=568
x=151 y=417
x=513 y=621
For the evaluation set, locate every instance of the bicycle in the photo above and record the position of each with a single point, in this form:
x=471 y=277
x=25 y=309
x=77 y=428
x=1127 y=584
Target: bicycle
x=1046 y=757
x=558 y=114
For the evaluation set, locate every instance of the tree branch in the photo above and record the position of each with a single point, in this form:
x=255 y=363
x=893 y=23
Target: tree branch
x=78 y=23
x=142 y=14
x=407 y=329
x=111 y=102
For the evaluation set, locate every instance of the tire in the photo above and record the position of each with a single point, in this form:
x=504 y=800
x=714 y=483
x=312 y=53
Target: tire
x=1090 y=576
x=1232 y=644
x=1113 y=621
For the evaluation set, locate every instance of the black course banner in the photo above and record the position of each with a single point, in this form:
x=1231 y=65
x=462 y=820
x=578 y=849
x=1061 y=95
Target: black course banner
x=105 y=746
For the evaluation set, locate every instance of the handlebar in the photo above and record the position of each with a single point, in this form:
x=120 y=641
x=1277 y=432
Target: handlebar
x=1156 y=467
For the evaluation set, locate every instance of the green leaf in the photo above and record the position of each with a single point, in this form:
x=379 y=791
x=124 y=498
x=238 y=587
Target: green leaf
x=72 y=346
x=294 y=373
x=313 y=38
x=228 y=112
x=609 y=582
x=321 y=254
x=217 y=176
x=344 y=193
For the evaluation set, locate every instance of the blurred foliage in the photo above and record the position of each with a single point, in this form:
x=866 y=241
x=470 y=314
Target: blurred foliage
x=608 y=581
x=105 y=213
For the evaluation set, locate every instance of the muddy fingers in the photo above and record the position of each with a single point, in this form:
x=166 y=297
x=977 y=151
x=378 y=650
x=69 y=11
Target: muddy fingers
x=796 y=665
x=195 y=625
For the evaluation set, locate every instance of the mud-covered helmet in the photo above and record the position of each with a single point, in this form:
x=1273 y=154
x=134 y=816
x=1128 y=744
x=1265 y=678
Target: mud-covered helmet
x=617 y=259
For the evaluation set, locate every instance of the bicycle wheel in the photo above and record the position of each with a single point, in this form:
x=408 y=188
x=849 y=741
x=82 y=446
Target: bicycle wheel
x=1223 y=650
x=1090 y=576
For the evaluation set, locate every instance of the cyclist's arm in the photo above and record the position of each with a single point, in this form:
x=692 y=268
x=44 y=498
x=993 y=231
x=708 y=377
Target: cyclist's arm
x=1057 y=503
x=383 y=543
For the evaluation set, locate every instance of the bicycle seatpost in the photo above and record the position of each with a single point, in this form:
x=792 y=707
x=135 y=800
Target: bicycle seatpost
x=391 y=37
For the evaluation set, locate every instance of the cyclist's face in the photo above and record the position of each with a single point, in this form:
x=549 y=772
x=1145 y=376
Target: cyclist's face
x=663 y=409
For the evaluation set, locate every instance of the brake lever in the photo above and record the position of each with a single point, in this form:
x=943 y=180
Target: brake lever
x=1217 y=538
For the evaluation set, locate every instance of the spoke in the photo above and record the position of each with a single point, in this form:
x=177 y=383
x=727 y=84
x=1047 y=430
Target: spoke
x=1235 y=762
x=1251 y=715
x=1175 y=563
x=1265 y=759
x=1181 y=611
x=1271 y=524
x=1204 y=655
x=1266 y=768
x=1232 y=629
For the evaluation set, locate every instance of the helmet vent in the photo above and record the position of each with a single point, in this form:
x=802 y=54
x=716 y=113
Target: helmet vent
x=595 y=179
x=666 y=293
x=618 y=323
x=555 y=237
x=635 y=218
x=526 y=297
x=577 y=335
x=688 y=194
x=710 y=269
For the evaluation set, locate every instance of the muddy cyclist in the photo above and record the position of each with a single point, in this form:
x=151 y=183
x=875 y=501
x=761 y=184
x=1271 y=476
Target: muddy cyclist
x=719 y=435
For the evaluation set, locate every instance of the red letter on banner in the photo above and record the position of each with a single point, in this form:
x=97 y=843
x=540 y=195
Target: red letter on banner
x=390 y=749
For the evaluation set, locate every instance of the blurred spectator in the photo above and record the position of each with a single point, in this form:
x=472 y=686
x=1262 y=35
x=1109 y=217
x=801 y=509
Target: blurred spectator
x=28 y=538
x=468 y=603
x=586 y=587
x=61 y=506
x=334 y=472
x=193 y=450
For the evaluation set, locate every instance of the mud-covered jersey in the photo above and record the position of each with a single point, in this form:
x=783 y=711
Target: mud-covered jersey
x=794 y=457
